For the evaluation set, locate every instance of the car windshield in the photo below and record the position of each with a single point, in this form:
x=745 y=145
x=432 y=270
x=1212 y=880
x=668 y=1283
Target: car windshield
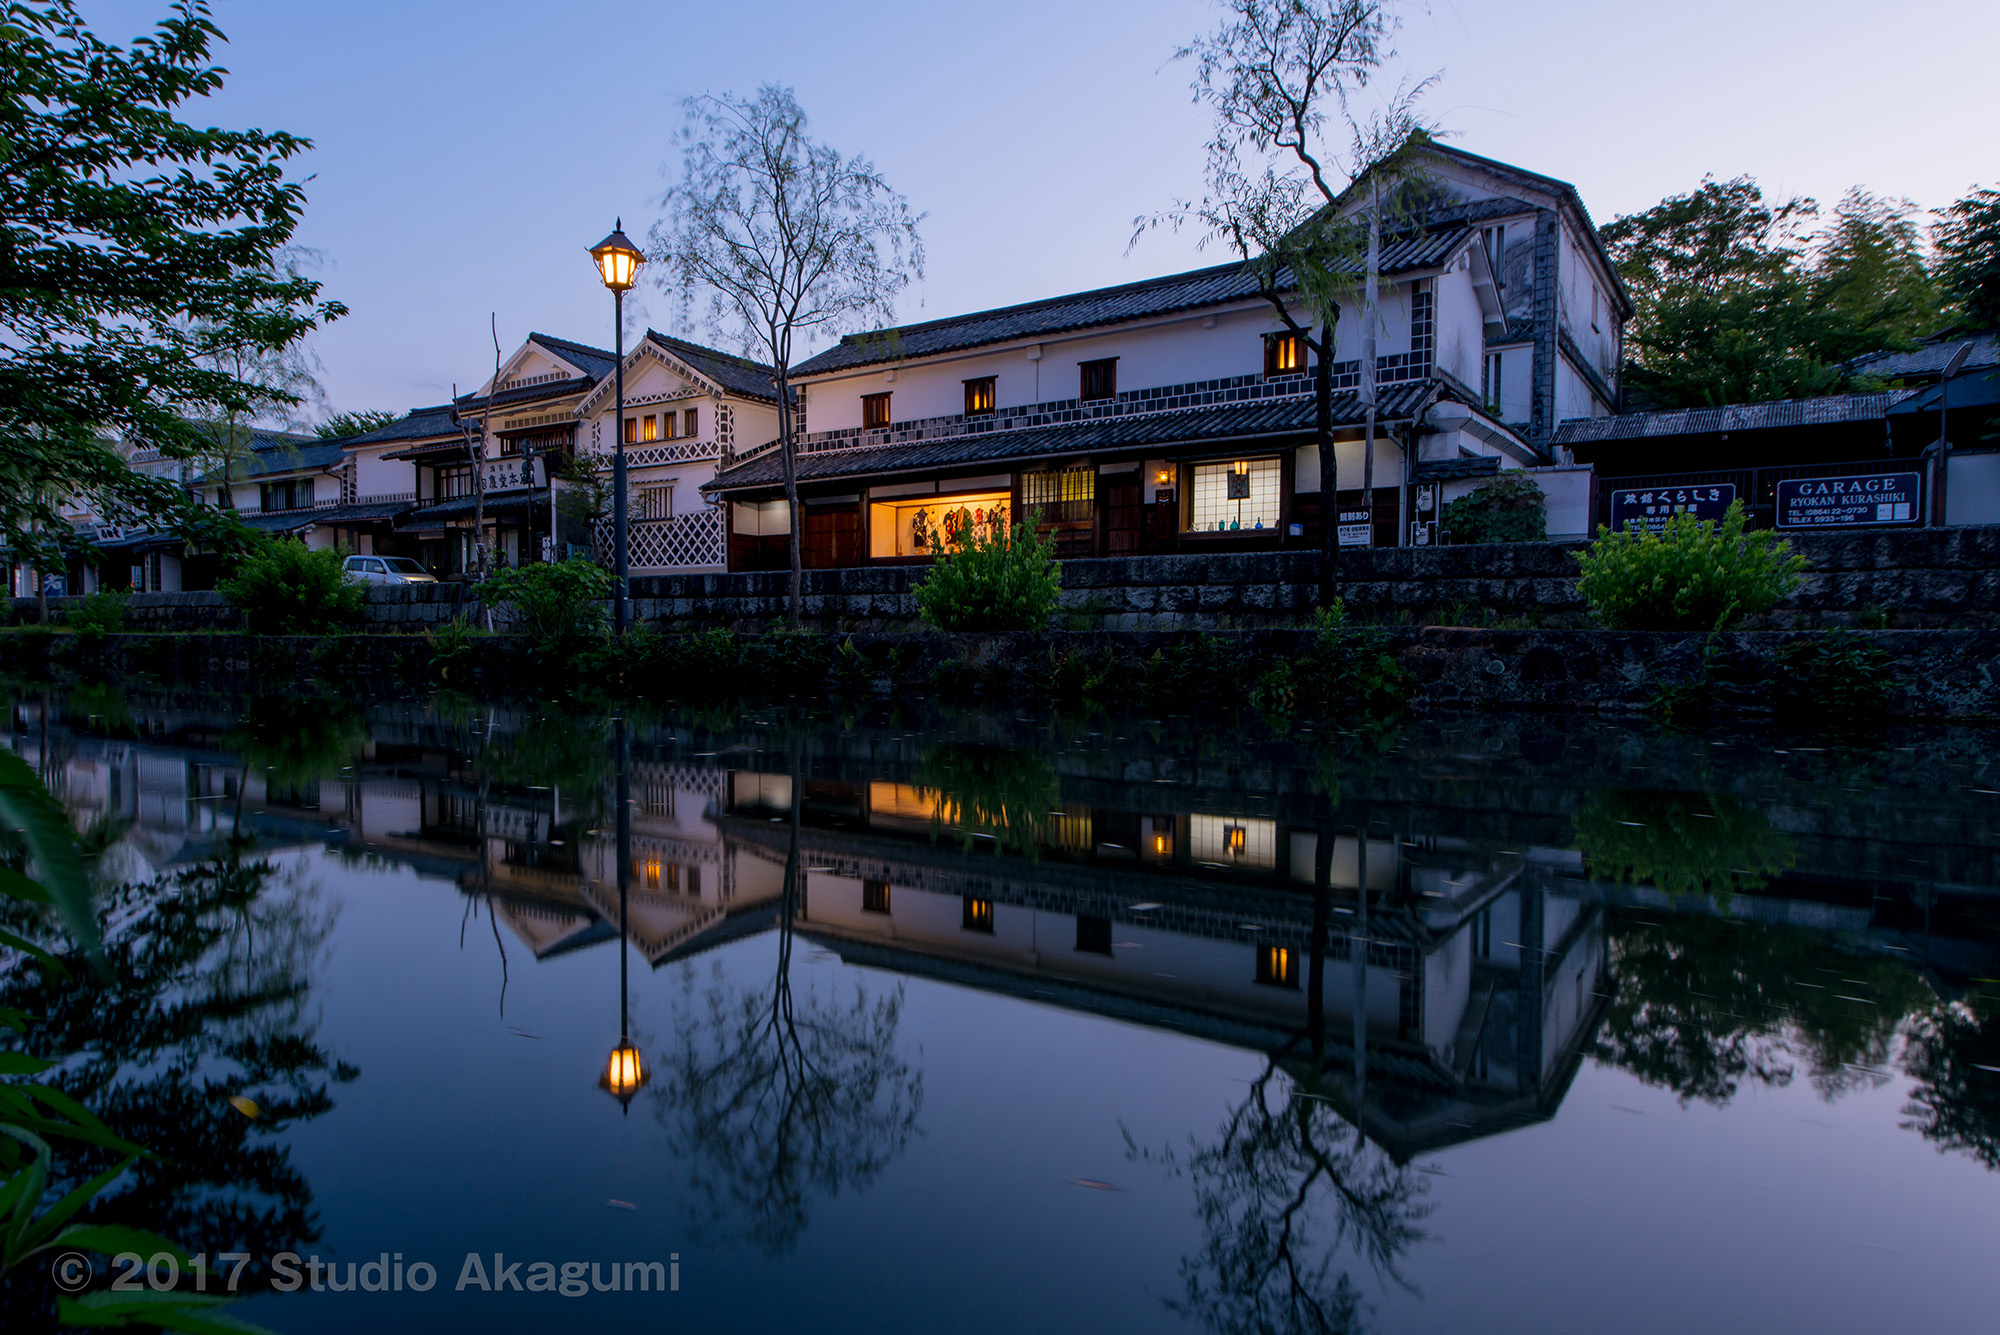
x=403 y=565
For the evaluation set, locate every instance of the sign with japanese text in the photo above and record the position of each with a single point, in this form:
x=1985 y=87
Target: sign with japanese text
x=1652 y=507
x=1356 y=528
x=1849 y=502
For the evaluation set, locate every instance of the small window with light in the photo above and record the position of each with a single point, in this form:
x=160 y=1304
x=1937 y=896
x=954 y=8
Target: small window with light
x=977 y=915
x=979 y=396
x=1277 y=966
x=874 y=896
x=1285 y=353
x=874 y=411
x=1097 y=380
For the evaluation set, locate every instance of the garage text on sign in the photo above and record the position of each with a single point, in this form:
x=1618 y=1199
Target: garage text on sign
x=1851 y=502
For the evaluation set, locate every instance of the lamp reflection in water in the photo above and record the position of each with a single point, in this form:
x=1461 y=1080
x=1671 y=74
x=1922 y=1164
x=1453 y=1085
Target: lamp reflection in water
x=624 y=1073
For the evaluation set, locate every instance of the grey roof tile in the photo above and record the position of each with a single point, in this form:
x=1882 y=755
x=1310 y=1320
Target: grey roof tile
x=1928 y=362
x=1188 y=426
x=738 y=375
x=417 y=424
x=1730 y=417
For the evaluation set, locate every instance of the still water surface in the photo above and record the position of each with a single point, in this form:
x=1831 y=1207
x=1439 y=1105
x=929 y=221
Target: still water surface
x=991 y=1023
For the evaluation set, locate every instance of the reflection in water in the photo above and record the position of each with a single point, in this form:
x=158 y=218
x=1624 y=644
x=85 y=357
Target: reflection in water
x=773 y=1098
x=1421 y=940
x=208 y=1001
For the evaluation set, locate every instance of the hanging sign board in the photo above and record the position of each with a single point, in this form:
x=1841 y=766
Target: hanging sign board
x=1652 y=507
x=1851 y=502
x=1357 y=528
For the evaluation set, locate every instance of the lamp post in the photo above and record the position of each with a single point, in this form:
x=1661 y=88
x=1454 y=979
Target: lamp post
x=618 y=262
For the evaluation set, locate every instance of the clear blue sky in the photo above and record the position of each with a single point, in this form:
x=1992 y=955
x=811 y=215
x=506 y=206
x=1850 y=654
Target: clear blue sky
x=468 y=153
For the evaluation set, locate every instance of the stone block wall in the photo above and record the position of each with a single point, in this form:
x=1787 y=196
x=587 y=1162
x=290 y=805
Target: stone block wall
x=1913 y=579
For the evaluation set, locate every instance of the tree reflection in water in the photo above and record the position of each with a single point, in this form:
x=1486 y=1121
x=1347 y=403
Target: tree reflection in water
x=772 y=1098
x=1953 y=1053
x=206 y=1000
x=1283 y=1192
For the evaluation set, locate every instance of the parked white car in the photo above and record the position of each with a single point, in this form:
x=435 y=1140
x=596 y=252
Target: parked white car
x=387 y=570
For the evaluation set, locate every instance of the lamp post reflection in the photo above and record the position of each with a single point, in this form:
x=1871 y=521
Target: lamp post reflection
x=624 y=1073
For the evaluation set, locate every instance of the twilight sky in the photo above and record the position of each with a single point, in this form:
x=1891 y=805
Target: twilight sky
x=468 y=153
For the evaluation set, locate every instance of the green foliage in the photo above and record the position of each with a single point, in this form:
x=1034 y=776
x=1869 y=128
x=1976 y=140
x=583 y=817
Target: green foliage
x=1678 y=842
x=1967 y=243
x=454 y=649
x=1510 y=508
x=1693 y=575
x=990 y=581
x=1192 y=673
x=1345 y=671
x=137 y=245
x=341 y=425
x=560 y=604
x=100 y=614
x=1736 y=301
x=284 y=589
x=1835 y=679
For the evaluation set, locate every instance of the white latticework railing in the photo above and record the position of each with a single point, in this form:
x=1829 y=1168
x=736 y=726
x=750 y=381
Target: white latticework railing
x=685 y=542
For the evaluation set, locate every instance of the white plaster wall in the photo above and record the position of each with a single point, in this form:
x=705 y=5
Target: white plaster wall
x=1461 y=329
x=1517 y=367
x=1348 y=457
x=1574 y=397
x=376 y=476
x=1568 y=488
x=1972 y=489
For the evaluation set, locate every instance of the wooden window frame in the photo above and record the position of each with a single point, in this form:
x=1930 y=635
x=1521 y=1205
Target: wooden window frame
x=1273 y=343
x=876 y=414
x=981 y=395
x=1104 y=367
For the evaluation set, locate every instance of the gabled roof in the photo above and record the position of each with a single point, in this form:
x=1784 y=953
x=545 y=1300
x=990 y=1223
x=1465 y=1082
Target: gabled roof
x=1218 y=285
x=418 y=424
x=1124 y=434
x=594 y=362
x=737 y=375
x=1928 y=362
x=1730 y=417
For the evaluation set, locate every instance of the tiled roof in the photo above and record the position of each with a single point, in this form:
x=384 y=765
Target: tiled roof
x=595 y=362
x=274 y=452
x=461 y=507
x=1731 y=417
x=1928 y=362
x=291 y=521
x=1193 y=426
x=738 y=375
x=418 y=424
x=1220 y=285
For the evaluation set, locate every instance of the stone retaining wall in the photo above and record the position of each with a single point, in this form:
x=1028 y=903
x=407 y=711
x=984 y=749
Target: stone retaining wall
x=1909 y=579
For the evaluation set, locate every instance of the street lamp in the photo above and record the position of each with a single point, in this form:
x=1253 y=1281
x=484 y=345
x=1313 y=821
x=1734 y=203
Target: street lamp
x=618 y=264
x=624 y=1074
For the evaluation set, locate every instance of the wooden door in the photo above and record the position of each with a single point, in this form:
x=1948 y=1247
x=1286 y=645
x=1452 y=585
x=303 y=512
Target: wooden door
x=1123 y=515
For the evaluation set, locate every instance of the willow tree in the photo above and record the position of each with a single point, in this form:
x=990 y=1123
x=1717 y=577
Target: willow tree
x=1287 y=148
x=779 y=241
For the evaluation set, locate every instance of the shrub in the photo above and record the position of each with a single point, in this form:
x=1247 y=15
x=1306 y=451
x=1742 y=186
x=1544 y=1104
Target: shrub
x=1510 y=508
x=561 y=604
x=1837 y=681
x=1693 y=575
x=991 y=581
x=1345 y=670
x=1200 y=670
x=284 y=589
x=453 y=649
x=101 y=614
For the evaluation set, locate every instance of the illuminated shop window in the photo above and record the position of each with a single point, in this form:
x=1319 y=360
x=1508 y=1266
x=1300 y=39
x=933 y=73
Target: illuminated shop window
x=907 y=527
x=1241 y=494
x=1062 y=497
x=1233 y=841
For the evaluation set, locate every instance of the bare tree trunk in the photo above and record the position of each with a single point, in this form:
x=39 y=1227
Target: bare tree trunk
x=787 y=448
x=1329 y=471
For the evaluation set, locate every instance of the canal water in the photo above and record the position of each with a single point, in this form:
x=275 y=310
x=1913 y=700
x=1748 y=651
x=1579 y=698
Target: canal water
x=457 y=1015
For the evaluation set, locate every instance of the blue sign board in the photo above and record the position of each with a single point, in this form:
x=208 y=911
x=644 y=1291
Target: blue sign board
x=1652 y=507
x=1851 y=502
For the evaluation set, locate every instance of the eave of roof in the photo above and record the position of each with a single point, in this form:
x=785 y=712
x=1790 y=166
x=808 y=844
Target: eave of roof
x=417 y=424
x=1730 y=418
x=1190 y=427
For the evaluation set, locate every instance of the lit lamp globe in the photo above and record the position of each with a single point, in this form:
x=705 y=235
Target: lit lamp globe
x=618 y=260
x=624 y=1074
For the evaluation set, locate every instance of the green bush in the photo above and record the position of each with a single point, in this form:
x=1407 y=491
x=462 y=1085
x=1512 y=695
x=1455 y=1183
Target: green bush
x=1693 y=575
x=561 y=604
x=1836 y=680
x=1346 y=670
x=101 y=614
x=991 y=581
x=284 y=589
x=1510 y=508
